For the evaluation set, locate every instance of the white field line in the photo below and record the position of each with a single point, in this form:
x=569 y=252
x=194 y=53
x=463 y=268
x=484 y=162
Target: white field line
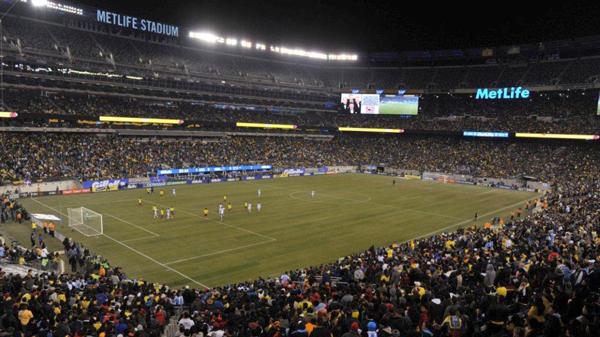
x=135 y=251
x=369 y=201
x=104 y=202
x=416 y=211
x=220 y=252
x=219 y=222
x=140 y=238
x=134 y=225
x=469 y=220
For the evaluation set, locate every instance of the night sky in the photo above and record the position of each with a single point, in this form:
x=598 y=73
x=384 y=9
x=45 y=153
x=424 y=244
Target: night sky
x=376 y=25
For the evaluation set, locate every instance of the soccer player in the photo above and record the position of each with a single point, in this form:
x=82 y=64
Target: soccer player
x=162 y=193
x=205 y=212
x=229 y=206
x=312 y=194
x=259 y=192
x=173 y=192
x=221 y=211
x=148 y=190
x=394 y=182
x=173 y=211
x=168 y=213
x=249 y=207
x=246 y=205
x=139 y=202
x=162 y=213
x=224 y=198
x=155 y=209
x=258 y=207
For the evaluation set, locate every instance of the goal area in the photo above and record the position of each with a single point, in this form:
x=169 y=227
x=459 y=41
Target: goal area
x=85 y=221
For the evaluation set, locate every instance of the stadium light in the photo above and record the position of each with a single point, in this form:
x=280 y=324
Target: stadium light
x=299 y=52
x=39 y=3
x=342 y=57
x=260 y=46
x=246 y=44
x=206 y=37
x=230 y=41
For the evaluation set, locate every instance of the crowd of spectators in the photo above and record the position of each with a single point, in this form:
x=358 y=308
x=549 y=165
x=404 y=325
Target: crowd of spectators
x=51 y=156
x=534 y=274
x=554 y=112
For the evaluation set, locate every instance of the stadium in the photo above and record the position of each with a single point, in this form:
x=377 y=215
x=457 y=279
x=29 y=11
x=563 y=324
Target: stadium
x=160 y=179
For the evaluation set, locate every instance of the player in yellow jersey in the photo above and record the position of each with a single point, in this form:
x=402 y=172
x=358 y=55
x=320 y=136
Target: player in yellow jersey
x=225 y=198
x=162 y=193
x=162 y=213
x=229 y=206
x=139 y=202
x=205 y=212
x=172 y=211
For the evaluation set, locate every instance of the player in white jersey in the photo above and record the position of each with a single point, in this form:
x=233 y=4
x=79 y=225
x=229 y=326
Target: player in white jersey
x=249 y=207
x=173 y=192
x=258 y=207
x=312 y=194
x=155 y=209
x=221 y=211
x=259 y=192
x=168 y=213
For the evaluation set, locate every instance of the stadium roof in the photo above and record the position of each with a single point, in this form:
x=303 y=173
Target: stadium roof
x=368 y=26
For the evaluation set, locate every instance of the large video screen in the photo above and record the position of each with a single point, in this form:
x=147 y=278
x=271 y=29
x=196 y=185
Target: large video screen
x=374 y=104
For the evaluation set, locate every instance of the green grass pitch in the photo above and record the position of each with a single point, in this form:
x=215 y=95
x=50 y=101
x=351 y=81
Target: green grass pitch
x=391 y=108
x=349 y=213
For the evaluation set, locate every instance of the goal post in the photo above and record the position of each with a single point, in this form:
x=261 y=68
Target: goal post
x=85 y=221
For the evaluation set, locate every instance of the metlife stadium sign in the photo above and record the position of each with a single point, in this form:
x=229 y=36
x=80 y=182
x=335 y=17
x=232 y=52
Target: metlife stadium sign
x=133 y=22
x=502 y=93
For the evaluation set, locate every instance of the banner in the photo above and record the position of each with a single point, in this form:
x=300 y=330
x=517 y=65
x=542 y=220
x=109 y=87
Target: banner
x=76 y=191
x=293 y=172
x=105 y=185
x=215 y=169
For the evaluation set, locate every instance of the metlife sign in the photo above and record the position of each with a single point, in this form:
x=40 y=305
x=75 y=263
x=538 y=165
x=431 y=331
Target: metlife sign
x=502 y=93
x=132 y=22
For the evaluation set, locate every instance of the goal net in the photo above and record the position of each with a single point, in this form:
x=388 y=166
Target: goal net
x=85 y=221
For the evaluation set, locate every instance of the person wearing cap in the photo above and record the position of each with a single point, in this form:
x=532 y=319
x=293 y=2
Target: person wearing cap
x=354 y=330
x=372 y=329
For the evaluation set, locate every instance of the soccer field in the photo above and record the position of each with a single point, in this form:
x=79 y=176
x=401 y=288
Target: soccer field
x=348 y=214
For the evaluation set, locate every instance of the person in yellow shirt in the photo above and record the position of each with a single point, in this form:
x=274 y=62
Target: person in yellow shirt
x=139 y=202
x=225 y=198
x=25 y=315
x=51 y=229
x=162 y=193
x=172 y=209
x=229 y=206
x=33 y=226
x=162 y=213
x=205 y=212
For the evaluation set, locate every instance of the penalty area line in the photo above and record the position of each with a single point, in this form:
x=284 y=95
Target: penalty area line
x=134 y=250
x=220 y=252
